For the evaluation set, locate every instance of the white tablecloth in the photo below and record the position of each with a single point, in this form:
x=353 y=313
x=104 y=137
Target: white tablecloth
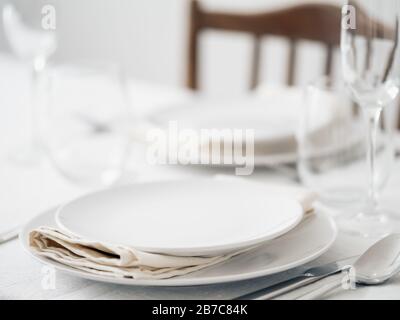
x=26 y=192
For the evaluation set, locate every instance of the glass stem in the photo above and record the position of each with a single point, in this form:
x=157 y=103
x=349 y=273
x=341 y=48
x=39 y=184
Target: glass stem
x=36 y=71
x=372 y=115
x=33 y=108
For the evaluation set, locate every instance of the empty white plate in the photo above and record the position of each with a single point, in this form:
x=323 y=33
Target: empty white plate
x=190 y=217
x=309 y=240
x=273 y=119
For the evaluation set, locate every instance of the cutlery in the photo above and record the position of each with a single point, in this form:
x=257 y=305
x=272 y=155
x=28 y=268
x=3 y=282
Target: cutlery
x=306 y=277
x=377 y=265
x=9 y=235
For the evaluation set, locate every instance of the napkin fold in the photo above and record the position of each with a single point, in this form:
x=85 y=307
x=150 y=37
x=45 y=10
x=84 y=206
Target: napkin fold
x=113 y=260
x=126 y=262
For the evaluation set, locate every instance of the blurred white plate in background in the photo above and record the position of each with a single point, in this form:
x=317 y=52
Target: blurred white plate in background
x=274 y=117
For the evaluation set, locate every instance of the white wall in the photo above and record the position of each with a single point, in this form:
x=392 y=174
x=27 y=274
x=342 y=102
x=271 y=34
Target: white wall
x=149 y=38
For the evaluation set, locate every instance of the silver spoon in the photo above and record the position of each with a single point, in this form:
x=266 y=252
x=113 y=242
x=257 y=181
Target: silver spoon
x=377 y=265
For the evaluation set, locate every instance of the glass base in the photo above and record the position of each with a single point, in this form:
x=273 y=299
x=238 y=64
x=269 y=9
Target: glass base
x=374 y=226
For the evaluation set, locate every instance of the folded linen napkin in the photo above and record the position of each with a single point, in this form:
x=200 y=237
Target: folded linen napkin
x=127 y=262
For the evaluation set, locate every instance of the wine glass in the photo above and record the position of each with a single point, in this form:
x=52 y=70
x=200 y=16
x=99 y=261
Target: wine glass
x=370 y=62
x=85 y=134
x=33 y=46
x=332 y=146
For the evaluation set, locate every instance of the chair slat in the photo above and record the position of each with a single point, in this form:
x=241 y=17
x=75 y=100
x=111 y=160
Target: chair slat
x=292 y=62
x=194 y=27
x=329 y=60
x=398 y=121
x=255 y=66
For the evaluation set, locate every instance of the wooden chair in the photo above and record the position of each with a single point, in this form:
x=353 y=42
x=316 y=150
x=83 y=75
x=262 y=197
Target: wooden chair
x=315 y=22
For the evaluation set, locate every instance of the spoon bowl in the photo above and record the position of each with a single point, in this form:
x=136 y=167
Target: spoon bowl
x=380 y=262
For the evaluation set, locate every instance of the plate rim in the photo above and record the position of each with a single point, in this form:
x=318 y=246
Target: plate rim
x=177 y=281
x=203 y=250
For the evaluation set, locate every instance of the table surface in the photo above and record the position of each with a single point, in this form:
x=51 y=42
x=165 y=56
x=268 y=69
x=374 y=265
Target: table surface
x=21 y=277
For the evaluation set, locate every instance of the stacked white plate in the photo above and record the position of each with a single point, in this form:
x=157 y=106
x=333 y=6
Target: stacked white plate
x=196 y=218
x=272 y=116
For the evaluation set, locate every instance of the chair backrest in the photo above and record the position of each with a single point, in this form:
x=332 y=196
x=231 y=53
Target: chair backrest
x=315 y=22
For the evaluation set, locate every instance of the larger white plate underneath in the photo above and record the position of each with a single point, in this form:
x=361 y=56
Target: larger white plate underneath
x=188 y=217
x=309 y=240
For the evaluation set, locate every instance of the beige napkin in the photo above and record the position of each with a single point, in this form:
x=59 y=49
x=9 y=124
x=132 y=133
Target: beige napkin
x=126 y=262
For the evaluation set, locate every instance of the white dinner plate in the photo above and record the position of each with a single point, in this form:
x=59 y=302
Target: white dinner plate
x=273 y=120
x=309 y=240
x=188 y=217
